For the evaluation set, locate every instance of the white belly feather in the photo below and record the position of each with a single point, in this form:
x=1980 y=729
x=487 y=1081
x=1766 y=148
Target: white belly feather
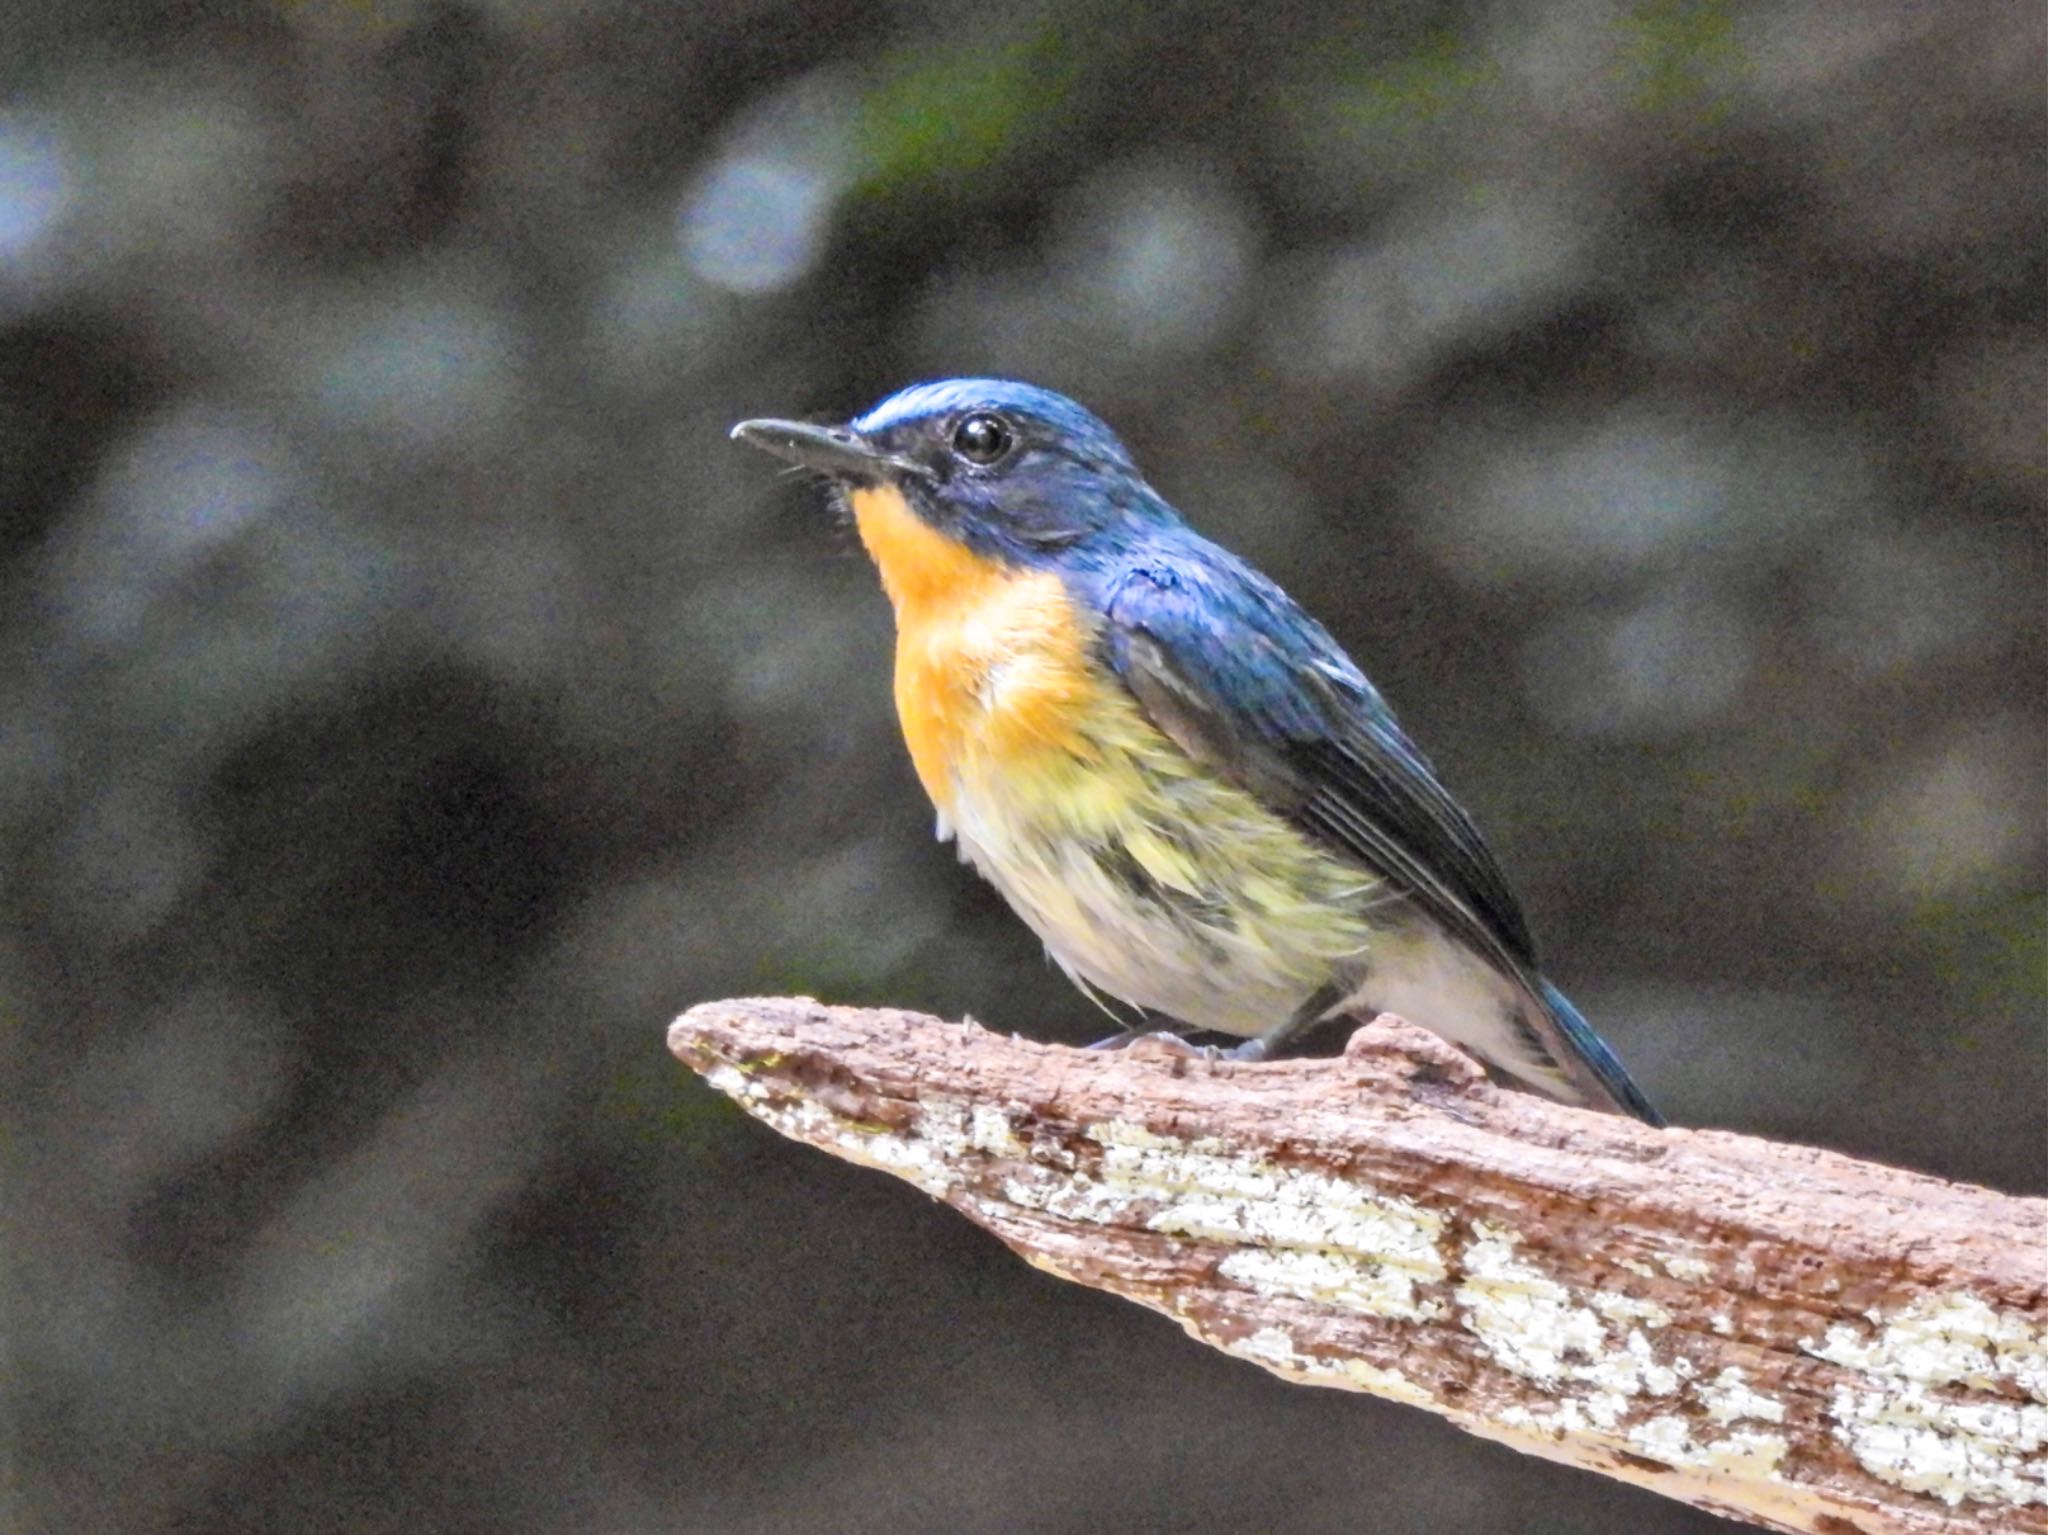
x=1291 y=931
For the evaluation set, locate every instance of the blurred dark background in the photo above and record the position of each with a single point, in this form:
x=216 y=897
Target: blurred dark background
x=409 y=700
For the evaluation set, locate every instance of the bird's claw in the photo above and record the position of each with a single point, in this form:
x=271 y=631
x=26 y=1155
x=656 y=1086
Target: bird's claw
x=1124 y=1040
x=1166 y=1042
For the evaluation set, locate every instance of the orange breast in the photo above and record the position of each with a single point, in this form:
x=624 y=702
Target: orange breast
x=991 y=661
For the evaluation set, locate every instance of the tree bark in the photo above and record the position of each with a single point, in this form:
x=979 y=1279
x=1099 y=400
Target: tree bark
x=1773 y=1332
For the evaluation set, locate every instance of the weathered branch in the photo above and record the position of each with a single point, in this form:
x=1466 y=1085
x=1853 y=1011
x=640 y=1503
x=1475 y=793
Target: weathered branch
x=1774 y=1332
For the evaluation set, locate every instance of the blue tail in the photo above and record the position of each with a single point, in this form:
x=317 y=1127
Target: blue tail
x=1599 y=1060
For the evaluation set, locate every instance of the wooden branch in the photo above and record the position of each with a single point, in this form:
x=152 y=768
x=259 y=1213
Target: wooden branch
x=1773 y=1332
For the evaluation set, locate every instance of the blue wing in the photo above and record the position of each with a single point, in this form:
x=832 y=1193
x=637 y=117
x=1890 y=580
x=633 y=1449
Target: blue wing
x=1229 y=666
x=1599 y=1059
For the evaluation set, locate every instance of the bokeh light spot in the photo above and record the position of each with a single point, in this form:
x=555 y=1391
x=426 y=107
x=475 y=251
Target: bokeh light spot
x=35 y=187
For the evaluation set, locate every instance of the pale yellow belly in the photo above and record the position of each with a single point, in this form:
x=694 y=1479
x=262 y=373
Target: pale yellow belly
x=1159 y=886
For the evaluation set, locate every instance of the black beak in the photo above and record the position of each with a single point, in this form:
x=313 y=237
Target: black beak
x=835 y=450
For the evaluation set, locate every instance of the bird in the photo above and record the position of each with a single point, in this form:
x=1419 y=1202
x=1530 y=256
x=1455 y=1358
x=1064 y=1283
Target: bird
x=1175 y=776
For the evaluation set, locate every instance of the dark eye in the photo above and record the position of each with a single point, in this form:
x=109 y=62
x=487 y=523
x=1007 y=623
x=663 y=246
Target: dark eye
x=982 y=439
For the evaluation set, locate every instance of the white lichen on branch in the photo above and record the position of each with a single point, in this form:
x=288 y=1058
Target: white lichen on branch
x=1919 y=1435
x=1804 y=1341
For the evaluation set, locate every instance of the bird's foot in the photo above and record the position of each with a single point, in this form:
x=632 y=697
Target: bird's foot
x=1164 y=1040
x=1130 y=1036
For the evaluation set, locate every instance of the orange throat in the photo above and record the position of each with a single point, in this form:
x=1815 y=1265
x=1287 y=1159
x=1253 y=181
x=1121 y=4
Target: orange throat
x=991 y=660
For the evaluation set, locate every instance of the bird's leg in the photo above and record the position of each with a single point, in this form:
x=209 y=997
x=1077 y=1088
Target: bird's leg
x=1263 y=1047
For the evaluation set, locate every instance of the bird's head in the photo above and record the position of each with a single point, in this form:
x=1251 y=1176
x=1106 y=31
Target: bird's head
x=1013 y=473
